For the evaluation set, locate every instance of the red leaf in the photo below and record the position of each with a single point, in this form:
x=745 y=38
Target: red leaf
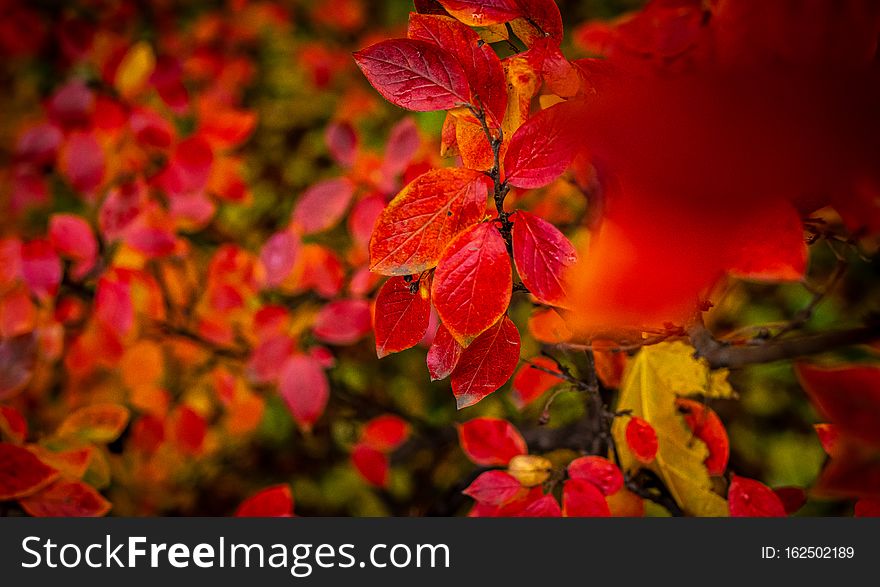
x=113 y=304
x=385 y=433
x=490 y=442
x=305 y=390
x=279 y=255
x=13 y=424
x=641 y=439
x=494 y=488
x=401 y=316
x=414 y=74
x=323 y=205
x=22 y=473
x=486 y=364
x=540 y=150
x=39 y=144
x=792 y=498
x=73 y=237
x=416 y=226
x=443 y=355
x=372 y=464
x=771 y=247
x=343 y=322
x=189 y=430
x=599 y=471
x=473 y=282
x=272 y=502
x=342 y=142
x=542 y=254
x=363 y=217
x=483 y=12
x=41 y=268
x=66 y=499
x=83 y=161
x=479 y=61
x=541 y=20
x=530 y=383
x=543 y=507
x=72 y=105
x=847 y=396
x=582 y=499
x=707 y=426
x=268 y=358
x=828 y=435
x=403 y=144
x=748 y=498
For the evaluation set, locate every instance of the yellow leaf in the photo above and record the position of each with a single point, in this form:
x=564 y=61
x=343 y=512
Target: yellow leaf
x=654 y=378
x=135 y=69
x=493 y=33
x=99 y=423
x=529 y=470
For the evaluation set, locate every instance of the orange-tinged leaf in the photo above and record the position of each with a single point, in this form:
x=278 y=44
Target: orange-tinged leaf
x=443 y=355
x=101 y=423
x=486 y=364
x=272 y=502
x=541 y=20
x=483 y=12
x=135 y=69
x=385 y=433
x=304 y=388
x=21 y=472
x=828 y=435
x=542 y=254
x=490 y=442
x=189 y=430
x=626 y=504
x=748 y=498
x=707 y=426
x=473 y=282
x=494 y=488
x=372 y=464
x=12 y=424
x=401 y=315
x=415 y=75
x=541 y=149
x=70 y=463
x=546 y=325
x=66 y=499
x=582 y=499
x=531 y=381
x=599 y=471
x=323 y=205
x=416 y=226
x=610 y=364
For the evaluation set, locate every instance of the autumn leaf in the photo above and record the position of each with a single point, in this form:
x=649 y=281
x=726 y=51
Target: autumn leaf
x=66 y=499
x=490 y=442
x=849 y=396
x=385 y=433
x=371 y=463
x=652 y=382
x=342 y=142
x=541 y=254
x=540 y=150
x=707 y=426
x=419 y=222
x=486 y=364
x=272 y=502
x=494 y=488
x=343 y=322
x=530 y=470
x=482 y=12
x=641 y=439
x=443 y=354
x=752 y=499
x=323 y=205
x=135 y=69
x=401 y=315
x=582 y=499
x=532 y=381
x=304 y=388
x=100 y=423
x=479 y=61
x=415 y=75
x=21 y=472
x=599 y=471
x=473 y=282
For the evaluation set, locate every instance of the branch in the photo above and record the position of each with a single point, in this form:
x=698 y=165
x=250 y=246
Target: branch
x=720 y=354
